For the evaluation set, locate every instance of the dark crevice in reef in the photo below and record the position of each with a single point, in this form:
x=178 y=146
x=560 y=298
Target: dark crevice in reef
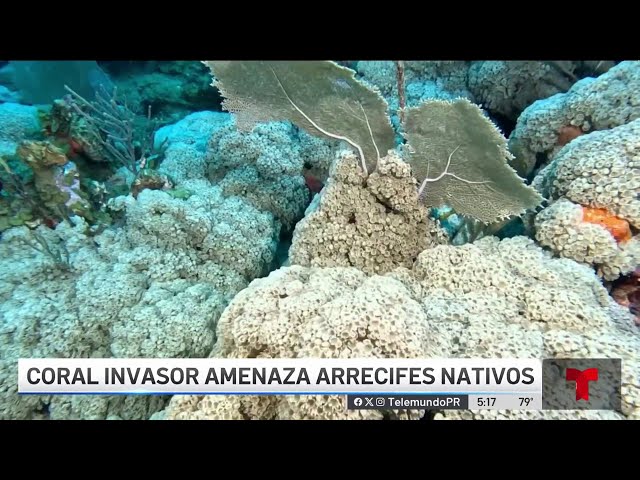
x=505 y=124
x=282 y=252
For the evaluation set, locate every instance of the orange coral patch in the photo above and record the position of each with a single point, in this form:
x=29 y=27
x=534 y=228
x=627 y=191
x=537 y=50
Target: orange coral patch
x=618 y=227
x=568 y=133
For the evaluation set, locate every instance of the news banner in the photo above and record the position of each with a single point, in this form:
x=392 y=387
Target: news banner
x=474 y=384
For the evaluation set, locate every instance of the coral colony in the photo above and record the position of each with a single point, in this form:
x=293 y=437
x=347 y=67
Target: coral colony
x=316 y=209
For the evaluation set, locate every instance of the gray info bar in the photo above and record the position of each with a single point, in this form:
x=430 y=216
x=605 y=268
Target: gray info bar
x=419 y=402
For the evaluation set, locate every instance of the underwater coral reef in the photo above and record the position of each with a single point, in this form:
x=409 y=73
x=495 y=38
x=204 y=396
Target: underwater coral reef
x=310 y=209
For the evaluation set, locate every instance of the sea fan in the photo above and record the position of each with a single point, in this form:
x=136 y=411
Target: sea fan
x=320 y=97
x=460 y=158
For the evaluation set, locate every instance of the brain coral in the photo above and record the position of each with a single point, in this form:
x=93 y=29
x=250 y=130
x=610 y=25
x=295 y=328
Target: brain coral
x=375 y=225
x=601 y=103
x=153 y=287
x=492 y=298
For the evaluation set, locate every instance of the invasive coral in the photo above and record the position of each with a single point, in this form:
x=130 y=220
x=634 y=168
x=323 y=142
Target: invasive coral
x=598 y=170
x=154 y=287
x=562 y=228
x=601 y=103
x=375 y=225
x=186 y=145
x=193 y=130
x=313 y=312
x=425 y=80
x=508 y=87
x=493 y=298
x=594 y=181
x=205 y=228
x=504 y=88
x=266 y=166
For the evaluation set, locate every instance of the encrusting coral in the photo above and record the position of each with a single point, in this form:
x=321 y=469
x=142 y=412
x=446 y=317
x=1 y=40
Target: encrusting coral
x=601 y=103
x=154 y=287
x=593 y=184
x=562 y=228
x=266 y=166
x=598 y=170
x=504 y=88
x=616 y=226
x=182 y=270
x=508 y=87
x=490 y=299
x=375 y=225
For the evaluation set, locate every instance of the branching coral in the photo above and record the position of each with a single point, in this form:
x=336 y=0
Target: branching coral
x=111 y=125
x=108 y=124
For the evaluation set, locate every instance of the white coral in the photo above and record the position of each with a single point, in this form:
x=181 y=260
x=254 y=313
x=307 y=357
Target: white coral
x=561 y=228
x=489 y=299
x=611 y=100
x=153 y=288
x=375 y=226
